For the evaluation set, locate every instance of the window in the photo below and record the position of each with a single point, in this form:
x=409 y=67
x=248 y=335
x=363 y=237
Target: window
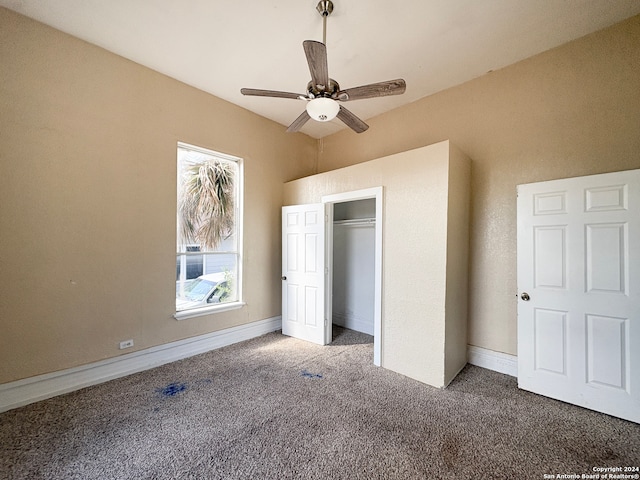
x=208 y=261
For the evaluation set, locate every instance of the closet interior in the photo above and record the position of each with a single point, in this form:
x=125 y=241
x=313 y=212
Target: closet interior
x=354 y=264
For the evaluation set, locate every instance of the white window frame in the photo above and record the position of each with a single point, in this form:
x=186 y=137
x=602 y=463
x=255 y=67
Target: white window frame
x=239 y=215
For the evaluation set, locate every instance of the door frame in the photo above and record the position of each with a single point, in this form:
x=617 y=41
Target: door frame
x=376 y=193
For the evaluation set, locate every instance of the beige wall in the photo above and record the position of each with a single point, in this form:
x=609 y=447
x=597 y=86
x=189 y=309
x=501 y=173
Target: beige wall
x=457 y=286
x=415 y=260
x=572 y=111
x=88 y=200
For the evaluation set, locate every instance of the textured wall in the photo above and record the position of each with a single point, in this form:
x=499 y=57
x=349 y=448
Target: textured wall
x=571 y=111
x=88 y=200
x=456 y=303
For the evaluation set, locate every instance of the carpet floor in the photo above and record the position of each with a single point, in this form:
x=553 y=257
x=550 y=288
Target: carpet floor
x=278 y=408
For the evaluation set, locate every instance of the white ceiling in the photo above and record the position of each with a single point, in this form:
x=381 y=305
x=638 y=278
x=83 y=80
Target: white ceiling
x=220 y=47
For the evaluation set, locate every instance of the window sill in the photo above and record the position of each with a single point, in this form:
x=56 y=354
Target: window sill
x=199 y=312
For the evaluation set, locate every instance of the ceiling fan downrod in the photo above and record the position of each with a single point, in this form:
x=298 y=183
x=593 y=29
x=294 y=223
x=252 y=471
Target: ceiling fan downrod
x=324 y=8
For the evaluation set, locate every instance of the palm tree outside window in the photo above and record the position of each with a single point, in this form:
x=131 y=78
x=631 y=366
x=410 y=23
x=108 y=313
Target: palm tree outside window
x=208 y=265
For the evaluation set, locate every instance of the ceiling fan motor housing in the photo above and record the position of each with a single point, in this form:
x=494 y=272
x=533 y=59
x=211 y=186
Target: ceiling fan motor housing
x=316 y=91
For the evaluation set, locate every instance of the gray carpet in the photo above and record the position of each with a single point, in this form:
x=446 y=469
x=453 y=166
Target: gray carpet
x=277 y=408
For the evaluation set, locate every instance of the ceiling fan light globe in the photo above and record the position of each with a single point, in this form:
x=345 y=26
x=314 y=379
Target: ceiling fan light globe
x=323 y=109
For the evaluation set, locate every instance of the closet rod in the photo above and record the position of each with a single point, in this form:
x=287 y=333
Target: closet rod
x=356 y=221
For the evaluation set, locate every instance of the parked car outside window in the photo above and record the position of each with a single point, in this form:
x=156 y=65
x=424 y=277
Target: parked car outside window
x=203 y=291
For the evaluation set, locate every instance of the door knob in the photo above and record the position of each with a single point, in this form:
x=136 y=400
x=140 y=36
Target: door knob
x=525 y=296
x=284 y=278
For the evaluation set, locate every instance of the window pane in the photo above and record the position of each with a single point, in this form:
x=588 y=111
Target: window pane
x=189 y=265
x=218 y=283
x=207 y=201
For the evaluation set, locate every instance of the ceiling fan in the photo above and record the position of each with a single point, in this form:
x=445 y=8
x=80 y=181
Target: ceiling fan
x=324 y=93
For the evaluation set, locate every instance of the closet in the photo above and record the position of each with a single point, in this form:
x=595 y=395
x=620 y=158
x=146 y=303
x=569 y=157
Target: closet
x=354 y=265
x=422 y=254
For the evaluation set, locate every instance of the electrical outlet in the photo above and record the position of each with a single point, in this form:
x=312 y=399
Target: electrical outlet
x=126 y=344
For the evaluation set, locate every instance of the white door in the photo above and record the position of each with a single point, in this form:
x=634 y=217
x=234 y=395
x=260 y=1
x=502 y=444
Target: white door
x=579 y=289
x=303 y=273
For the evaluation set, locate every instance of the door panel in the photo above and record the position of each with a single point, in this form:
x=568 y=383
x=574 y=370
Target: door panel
x=549 y=253
x=579 y=263
x=550 y=338
x=606 y=351
x=303 y=273
x=290 y=314
x=606 y=263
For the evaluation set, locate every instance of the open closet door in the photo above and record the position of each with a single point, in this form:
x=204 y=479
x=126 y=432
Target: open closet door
x=303 y=273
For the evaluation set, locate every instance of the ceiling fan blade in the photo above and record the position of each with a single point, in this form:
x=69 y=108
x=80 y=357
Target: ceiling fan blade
x=351 y=121
x=316 y=53
x=270 y=93
x=299 y=122
x=381 y=89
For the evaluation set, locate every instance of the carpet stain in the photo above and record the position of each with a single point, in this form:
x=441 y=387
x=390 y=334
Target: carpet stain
x=307 y=374
x=172 y=389
x=450 y=450
x=590 y=451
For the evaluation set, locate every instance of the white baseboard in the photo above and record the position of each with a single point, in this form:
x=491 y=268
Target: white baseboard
x=33 y=389
x=496 y=361
x=353 y=323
